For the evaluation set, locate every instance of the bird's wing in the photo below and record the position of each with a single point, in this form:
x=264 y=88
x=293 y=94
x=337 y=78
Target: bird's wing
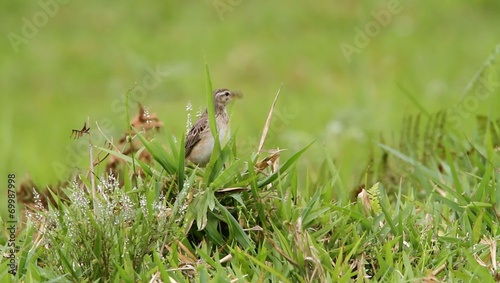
x=194 y=135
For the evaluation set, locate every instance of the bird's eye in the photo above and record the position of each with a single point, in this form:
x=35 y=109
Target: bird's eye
x=226 y=93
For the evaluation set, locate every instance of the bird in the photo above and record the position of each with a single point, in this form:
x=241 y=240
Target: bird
x=199 y=140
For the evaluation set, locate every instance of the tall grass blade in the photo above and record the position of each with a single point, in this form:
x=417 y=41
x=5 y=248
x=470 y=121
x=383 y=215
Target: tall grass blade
x=235 y=229
x=159 y=154
x=211 y=110
x=180 y=166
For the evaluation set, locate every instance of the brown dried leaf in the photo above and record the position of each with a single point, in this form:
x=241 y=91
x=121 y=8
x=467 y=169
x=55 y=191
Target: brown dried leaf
x=365 y=201
x=232 y=190
x=271 y=160
x=192 y=257
x=34 y=198
x=146 y=121
x=143 y=121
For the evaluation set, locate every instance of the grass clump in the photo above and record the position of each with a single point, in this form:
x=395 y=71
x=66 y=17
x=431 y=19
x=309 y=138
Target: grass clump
x=103 y=237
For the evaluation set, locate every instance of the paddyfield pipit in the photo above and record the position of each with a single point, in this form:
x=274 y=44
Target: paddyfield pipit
x=199 y=140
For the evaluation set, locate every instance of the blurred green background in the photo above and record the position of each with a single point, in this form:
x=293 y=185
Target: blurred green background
x=62 y=61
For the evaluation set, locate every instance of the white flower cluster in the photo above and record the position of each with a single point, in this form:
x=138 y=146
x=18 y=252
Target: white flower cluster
x=189 y=124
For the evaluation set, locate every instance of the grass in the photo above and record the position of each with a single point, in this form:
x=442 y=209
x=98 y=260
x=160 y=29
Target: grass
x=400 y=184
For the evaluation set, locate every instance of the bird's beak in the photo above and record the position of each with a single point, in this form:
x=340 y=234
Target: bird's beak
x=236 y=94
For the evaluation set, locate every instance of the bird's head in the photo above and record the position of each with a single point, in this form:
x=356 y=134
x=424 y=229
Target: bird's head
x=222 y=96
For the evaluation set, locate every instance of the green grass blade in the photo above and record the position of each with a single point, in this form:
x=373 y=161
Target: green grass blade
x=262 y=264
x=158 y=153
x=271 y=178
x=161 y=268
x=180 y=167
x=227 y=175
x=216 y=164
x=235 y=229
x=211 y=110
